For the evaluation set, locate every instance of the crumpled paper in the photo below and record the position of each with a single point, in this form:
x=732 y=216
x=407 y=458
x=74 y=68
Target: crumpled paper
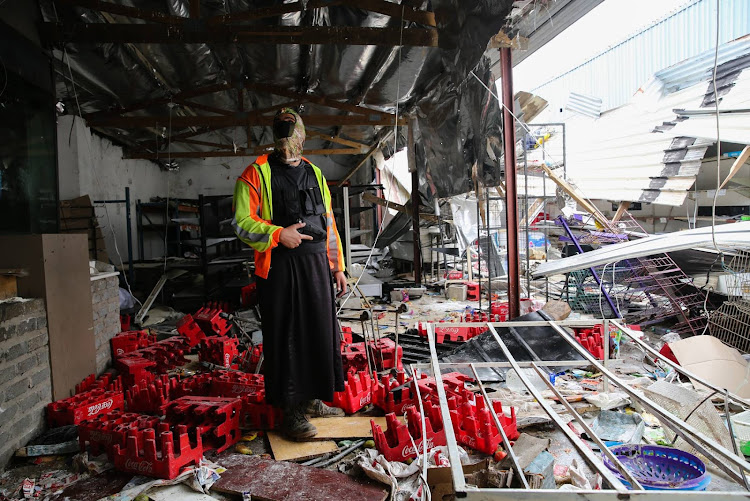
x=199 y=478
x=403 y=478
x=608 y=401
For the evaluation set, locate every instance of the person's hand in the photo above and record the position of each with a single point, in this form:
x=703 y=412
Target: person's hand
x=291 y=238
x=340 y=280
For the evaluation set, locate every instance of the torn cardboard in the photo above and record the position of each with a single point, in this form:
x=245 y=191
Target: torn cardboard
x=712 y=360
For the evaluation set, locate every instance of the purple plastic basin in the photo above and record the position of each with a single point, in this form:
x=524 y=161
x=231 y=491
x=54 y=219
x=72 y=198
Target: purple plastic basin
x=660 y=468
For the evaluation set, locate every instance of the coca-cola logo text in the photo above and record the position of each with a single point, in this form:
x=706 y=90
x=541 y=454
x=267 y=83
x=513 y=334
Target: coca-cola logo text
x=139 y=466
x=97 y=408
x=410 y=450
x=100 y=437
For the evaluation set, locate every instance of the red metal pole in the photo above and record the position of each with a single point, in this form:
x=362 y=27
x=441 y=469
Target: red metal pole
x=511 y=210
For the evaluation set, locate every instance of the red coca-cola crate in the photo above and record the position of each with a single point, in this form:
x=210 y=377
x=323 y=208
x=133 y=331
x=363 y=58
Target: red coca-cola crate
x=103 y=432
x=135 y=369
x=394 y=392
x=443 y=334
x=356 y=395
x=107 y=381
x=259 y=415
x=217 y=419
x=234 y=384
x=346 y=335
x=220 y=350
x=385 y=354
x=474 y=426
x=152 y=453
x=209 y=319
x=151 y=398
x=354 y=358
x=129 y=341
x=190 y=330
x=196 y=385
x=86 y=405
x=400 y=441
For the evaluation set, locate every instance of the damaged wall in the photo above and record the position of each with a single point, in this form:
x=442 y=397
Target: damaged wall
x=26 y=387
x=91 y=165
x=105 y=302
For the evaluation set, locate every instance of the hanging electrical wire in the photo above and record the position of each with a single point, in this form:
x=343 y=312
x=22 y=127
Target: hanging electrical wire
x=95 y=176
x=381 y=225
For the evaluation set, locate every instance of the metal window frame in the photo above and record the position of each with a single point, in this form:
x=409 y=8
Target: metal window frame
x=733 y=465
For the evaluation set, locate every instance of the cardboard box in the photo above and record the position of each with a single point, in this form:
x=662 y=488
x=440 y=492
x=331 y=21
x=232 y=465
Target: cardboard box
x=440 y=480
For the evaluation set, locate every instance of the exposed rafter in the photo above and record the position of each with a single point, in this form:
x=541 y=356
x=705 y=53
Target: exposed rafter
x=239 y=119
x=239 y=152
x=58 y=33
x=408 y=13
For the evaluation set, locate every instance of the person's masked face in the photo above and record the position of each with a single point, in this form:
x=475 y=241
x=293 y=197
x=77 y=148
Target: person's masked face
x=288 y=135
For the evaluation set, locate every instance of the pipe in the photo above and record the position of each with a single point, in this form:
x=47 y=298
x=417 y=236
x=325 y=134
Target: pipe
x=511 y=209
x=412 y=156
x=579 y=444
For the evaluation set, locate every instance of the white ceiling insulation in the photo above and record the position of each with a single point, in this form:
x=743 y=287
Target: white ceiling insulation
x=645 y=151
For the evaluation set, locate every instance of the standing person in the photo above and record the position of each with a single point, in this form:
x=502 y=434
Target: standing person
x=282 y=209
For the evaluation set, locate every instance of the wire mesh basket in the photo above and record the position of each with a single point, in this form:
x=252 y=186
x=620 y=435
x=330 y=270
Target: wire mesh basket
x=692 y=407
x=730 y=324
x=660 y=468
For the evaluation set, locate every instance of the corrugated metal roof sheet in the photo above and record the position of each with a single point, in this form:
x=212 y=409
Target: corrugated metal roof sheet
x=618 y=72
x=644 y=152
x=696 y=69
x=589 y=106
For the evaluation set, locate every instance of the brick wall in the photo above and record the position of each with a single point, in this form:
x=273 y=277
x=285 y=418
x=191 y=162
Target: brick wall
x=105 y=297
x=25 y=381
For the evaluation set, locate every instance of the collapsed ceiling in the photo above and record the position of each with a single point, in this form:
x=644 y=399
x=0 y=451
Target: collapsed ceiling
x=203 y=78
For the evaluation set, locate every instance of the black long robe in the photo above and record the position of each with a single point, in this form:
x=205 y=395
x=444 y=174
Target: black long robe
x=301 y=335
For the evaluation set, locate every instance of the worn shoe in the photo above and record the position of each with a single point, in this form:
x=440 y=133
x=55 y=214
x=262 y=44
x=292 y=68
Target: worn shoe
x=295 y=425
x=316 y=408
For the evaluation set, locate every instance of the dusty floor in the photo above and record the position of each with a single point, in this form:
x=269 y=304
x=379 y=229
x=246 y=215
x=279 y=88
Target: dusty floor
x=631 y=365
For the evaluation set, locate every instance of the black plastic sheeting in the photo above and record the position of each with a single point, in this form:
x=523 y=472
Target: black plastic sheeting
x=458 y=118
x=459 y=128
x=545 y=342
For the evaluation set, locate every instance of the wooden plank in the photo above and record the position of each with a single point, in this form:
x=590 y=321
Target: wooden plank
x=335 y=139
x=621 y=210
x=345 y=427
x=288 y=450
x=369 y=197
x=268 y=480
x=582 y=201
x=58 y=267
x=737 y=165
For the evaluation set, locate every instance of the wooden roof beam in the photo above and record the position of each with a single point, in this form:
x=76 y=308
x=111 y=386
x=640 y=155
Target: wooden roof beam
x=124 y=10
x=239 y=119
x=59 y=33
x=240 y=152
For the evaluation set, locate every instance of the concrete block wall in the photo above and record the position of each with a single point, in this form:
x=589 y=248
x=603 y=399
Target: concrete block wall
x=105 y=298
x=25 y=378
